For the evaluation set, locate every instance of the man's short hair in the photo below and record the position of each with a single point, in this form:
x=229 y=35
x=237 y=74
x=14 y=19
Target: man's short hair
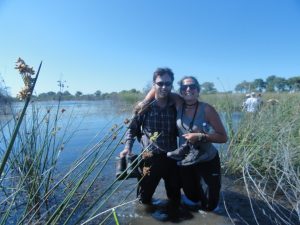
x=162 y=71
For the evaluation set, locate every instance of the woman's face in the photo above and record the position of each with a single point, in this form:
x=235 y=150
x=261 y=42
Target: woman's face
x=189 y=90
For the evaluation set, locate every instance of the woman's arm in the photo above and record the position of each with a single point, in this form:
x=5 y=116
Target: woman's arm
x=218 y=136
x=140 y=106
x=151 y=95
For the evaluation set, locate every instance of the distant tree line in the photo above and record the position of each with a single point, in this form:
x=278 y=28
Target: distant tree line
x=132 y=95
x=271 y=84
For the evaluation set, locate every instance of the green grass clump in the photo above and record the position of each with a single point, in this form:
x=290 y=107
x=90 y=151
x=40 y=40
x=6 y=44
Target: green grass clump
x=265 y=150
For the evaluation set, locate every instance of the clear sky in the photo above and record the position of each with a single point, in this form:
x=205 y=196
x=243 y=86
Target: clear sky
x=114 y=45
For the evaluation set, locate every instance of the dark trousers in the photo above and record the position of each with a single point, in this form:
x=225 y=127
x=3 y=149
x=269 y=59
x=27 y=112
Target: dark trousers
x=202 y=182
x=160 y=167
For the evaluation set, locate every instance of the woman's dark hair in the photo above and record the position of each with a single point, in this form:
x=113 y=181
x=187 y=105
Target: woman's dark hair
x=180 y=83
x=162 y=71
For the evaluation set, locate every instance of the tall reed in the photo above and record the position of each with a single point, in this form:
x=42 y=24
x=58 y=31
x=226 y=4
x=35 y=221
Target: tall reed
x=265 y=152
x=26 y=94
x=32 y=189
x=40 y=193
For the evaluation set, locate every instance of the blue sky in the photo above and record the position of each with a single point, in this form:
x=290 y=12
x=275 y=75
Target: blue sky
x=116 y=45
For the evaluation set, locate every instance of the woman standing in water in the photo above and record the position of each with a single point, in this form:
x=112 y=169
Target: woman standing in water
x=199 y=125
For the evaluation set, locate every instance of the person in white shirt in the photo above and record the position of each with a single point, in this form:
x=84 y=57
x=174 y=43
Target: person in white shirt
x=251 y=104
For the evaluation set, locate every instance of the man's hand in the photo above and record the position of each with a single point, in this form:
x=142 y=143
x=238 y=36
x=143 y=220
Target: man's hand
x=125 y=152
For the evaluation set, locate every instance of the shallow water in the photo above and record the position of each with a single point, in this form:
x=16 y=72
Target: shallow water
x=135 y=214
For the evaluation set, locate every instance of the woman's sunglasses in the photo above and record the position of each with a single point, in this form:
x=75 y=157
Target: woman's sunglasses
x=191 y=86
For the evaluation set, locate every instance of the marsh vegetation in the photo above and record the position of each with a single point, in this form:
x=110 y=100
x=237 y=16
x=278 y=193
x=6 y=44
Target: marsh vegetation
x=38 y=187
x=264 y=153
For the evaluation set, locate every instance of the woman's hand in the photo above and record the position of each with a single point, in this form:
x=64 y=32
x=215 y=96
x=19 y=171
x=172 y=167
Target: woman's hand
x=191 y=137
x=194 y=137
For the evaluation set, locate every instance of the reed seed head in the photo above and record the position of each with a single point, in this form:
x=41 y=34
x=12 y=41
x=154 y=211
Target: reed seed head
x=26 y=73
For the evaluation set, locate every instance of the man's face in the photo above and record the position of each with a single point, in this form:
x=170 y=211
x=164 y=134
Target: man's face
x=163 y=86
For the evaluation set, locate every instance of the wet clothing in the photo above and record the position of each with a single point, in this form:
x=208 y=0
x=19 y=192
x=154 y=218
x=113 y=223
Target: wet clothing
x=208 y=170
x=160 y=167
x=162 y=121
x=208 y=173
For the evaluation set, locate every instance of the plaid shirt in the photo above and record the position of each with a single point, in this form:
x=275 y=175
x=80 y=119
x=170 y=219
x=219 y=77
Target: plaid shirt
x=156 y=119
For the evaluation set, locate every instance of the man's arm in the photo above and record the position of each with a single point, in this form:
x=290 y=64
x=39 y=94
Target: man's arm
x=132 y=132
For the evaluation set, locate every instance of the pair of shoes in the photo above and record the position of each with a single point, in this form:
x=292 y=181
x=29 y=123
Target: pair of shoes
x=180 y=153
x=193 y=157
x=129 y=163
x=187 y=155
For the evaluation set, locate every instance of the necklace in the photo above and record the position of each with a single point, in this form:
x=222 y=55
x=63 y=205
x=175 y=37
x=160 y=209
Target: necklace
x=192 y=122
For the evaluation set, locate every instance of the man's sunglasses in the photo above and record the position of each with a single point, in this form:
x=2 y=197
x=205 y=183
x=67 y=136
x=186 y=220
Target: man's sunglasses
x=160 y=83
x=191 y=86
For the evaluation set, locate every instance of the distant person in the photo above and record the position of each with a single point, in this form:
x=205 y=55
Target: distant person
x=251 y=104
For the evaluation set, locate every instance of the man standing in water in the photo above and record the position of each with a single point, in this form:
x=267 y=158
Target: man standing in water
x=159 y=118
